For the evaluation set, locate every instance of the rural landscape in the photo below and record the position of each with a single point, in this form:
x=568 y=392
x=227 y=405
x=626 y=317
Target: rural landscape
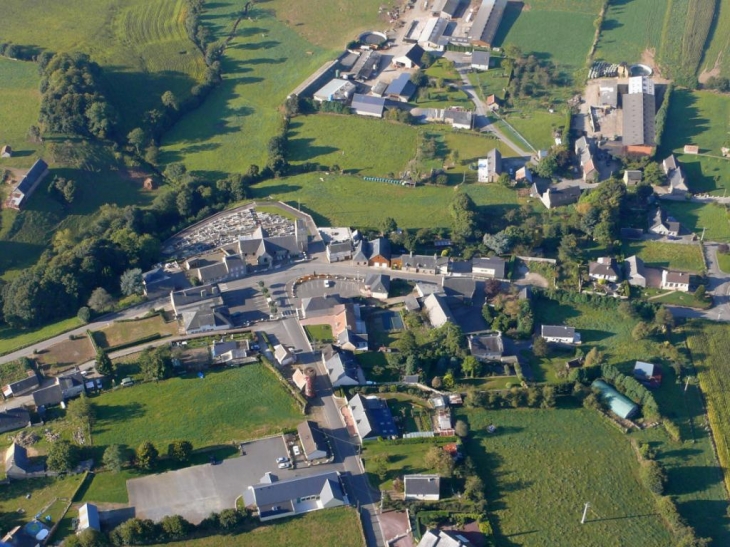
x=440 y=273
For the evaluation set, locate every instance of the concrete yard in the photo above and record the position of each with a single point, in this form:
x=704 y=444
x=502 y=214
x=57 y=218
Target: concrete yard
x=196 y=492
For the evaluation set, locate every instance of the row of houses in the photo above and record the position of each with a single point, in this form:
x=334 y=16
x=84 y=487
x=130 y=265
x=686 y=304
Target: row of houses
x=637 y=274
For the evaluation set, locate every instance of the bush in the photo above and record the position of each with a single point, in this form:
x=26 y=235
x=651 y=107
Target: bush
x=84 y=314
x=63 y=456
x=652 y=476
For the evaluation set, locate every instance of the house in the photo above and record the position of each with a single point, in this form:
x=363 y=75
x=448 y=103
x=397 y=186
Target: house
x=313 y=440
x=422 y=487
x=662 y=224
x=432 y=36
x=648 y=374
x=18 y=464
x=206 y=320
x=676 y=281
x=619 y=404
x=632 y=177
x=585 y=156
x=372 y=418
x=459 y=288
x=485 y=25
x=639 y=110
x=200 y=309
x=480 y=60
x=492 y=267
x=558 y=334
x=283 y=356
x=14 y=418
x=6 y=151
x=486 y=347
x=275 y=499
x=634 y=270
x=379 y=253
x=377 y=286
x=230 y=351
x=64 y=388
x=88 y=518
x=489 y=168
x=675 y=176
x=22 y=387
x=691 y=149
x=413 y=58
x=339 y=250
x=458 y=117
x=361 y=253
x=438 y=310
x=443 y=538
x=337 y=90
x=492 y=103
x=433 y=264
x=320 y=306
x=401 y=89
x=523 y=173
x=603 y=269
x=459 y=268
x=230 y=266
x=366 y=105
x=554 y=197
x=28 y=184
x=349 y=329
x=341 y=366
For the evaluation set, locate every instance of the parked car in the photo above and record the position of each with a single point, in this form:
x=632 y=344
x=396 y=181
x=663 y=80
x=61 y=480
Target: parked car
x=285 y=465
x=282 y=460
x=327 y=283
x=296 y=450
x=126 y=382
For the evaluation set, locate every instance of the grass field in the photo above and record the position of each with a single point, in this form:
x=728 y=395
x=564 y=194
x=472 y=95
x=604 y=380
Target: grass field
x=13 y=339
x=339 y=526
x=629 y=28
x=19 y=109
x=701 y=118
x=719 y=42
x=319 y=333
x=402 y=459
x=552 y=17
x=537 y=454
x=666 y=255
x=491 y=82
x=124 y=332
x=263 y=64
x=696 y=216
x=67 y=353
x=345 y=200
x=233 y=404
x=536 y=126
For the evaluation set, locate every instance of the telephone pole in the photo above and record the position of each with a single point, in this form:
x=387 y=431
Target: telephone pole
x=585 y=512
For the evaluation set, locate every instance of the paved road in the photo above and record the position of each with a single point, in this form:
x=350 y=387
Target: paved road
x=718 y=285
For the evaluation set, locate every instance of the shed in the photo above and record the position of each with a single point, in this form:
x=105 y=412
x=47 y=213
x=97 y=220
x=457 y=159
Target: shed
x=366 y=105
x=88 y=518
x=619 y=404
x=6 y=151
x=648 y=374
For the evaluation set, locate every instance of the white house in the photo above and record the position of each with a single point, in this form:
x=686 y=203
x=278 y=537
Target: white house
x=489 y=168
x=422 y=487
x=676 y=281
x=604 y=269
x=480 y=60
x=493 y=267
x=283 y=356
x=558 y=334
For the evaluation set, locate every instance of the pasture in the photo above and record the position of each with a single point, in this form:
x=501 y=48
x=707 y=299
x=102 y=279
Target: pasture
x=233 y=404
x=629 y=28
x=339 y=526
x=537 y=453
x=536 y=126
x=13 y=339
x=696 y=216
x=666 y=255
x=701 y=118
x=347 y=200
x=18 y=109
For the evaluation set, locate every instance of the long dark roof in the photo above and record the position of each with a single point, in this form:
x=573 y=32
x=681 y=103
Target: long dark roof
x=37 y=171
x=366 y=103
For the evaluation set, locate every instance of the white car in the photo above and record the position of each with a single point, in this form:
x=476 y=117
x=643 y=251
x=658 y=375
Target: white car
x=285 y=465
x=296 y=450
x=282 y=460
x=327 y=283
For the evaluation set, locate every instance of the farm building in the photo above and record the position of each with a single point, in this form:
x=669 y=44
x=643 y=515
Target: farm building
x=619 y=404
x=639 y=110
x=432 y=37
x=88 y=518
x=313 y=440
x=401 y=89
x=458 y=118
x=608 y=94
x=365 y=105
x=372 y=418
x=446 y=8
x=676 y=281
x=635 y=273
x=485 y=25
x=422 y=487
x=480 y=60
x=22 y=192
x=489 y=168
x=366 y=66
x=6 y=152
x=492 y=267
x=413 y=58
x=554 y=197
x=603 y=269
x=335 y=90
x=648 y=374
x=14 y=418
x=558 y=334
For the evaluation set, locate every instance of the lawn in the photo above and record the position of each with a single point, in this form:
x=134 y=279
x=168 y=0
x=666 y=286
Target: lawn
x=347 y=200
x=14 y=339
x=375 y=366
x=568 y=50
x=724 y=261
x=359 y=145
x=435 y=97
x=340 y=526
x=543 y=465
x=682 y=299
x=402 y=459
x=262 y=64
x=700 y=118
x=33 y=495
x=234 y=404
x=536 y=126
x=491 y=82
x=677 y=256
x=18 y=109
x=629 y=28
x=319 y=333
x=696 y=216
x=125 y=332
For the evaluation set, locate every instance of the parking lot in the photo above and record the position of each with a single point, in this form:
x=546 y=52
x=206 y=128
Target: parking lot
x=197 y=491
x=346 y=288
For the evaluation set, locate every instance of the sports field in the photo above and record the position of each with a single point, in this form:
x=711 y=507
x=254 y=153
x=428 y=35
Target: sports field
x=537 y=454
x=629 y=28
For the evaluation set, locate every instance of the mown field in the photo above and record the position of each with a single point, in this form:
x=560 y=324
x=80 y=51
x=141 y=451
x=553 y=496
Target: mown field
x=220 y=408
x=18 y=109
x=542 y=466
x=536 y=126
x=339 y=526
x=552 y=18
x=701 y=118
x=629 y=28
x=666 y=255
x=719 y=41
x=696 y=216
x=124 y=332
x=402 y=459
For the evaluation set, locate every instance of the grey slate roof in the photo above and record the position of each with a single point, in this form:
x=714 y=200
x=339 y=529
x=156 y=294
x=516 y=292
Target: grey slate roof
x=368 y=104
x=14 y=418
x=638 y=114
x=24 y=385
x=491 y=263
x=48 y=396
x=29 y=180
x=205 y=319
x=317 y=306
x=422 y=485
x=380 y=246
x=411 y=303
x=341 y=365
x=487 y=21
x=480 y=58
x=463 y=287
x=603 y=267
x=402 y=87
x=372 y=417
x=267 y=496
x=311 y=437
x=564 y=196
x=557 y=331
x=378 y=283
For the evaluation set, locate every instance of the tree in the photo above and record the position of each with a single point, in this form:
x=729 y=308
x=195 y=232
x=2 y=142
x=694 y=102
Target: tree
x=147 y=456
x=134 y=532
x=387 y=226
x=664 y=319
x=104 y=364
x=700 y=292
x=156 y=363
x=500 y=242
x=100 y=300
x=175 y=527
x=136 y=138
x=229 y=519
x=84 y=314
x=594 y=357
x=62 y=456
x=130 y=282
x=411 y=364
x=641 y=330
x=448 y=380
x=474 y=489
x=540 y=347
x=653 y=175
x=81 y=414
x=113 y=458
x=470 y=366
x=440 y=461
x=180 y=451
x=87 y=538
x=436 y=383
x=461 y=428
x=548 y=397
x=380 y=465
x=463 y=212
x=34 y=134
x=546 y=167
x=419 y=78
x=505 y=180
x=169 y=100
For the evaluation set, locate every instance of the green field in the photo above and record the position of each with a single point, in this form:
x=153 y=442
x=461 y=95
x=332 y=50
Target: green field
x=542 y=466
x=536 y=126
x=339 y=526
x=552 y=18
x=14 y=339
x=696 y=216
x=221 y=408
x=347 y=200
x=402 y=459
x=724 y=261
x=263 y=64
x=666 y=255
x=719 y=42
x=18 y=109
x=701 y=118
x=629 y=28
x=491 y=82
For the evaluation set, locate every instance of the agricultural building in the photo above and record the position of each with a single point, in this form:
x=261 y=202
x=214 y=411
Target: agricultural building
x=413 y=58
x=22 y=192
x=485 y=25
x=619 y=404
x=480 y=60
x=365 y=105
x=458 y=118
x=447 y=8
x=432 y=37
x=401 y=89
x=335 y=90
x=438 y=310
x=639 y=110
x=648 y=374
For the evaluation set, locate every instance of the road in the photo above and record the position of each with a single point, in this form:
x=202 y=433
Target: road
x=718 y=286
